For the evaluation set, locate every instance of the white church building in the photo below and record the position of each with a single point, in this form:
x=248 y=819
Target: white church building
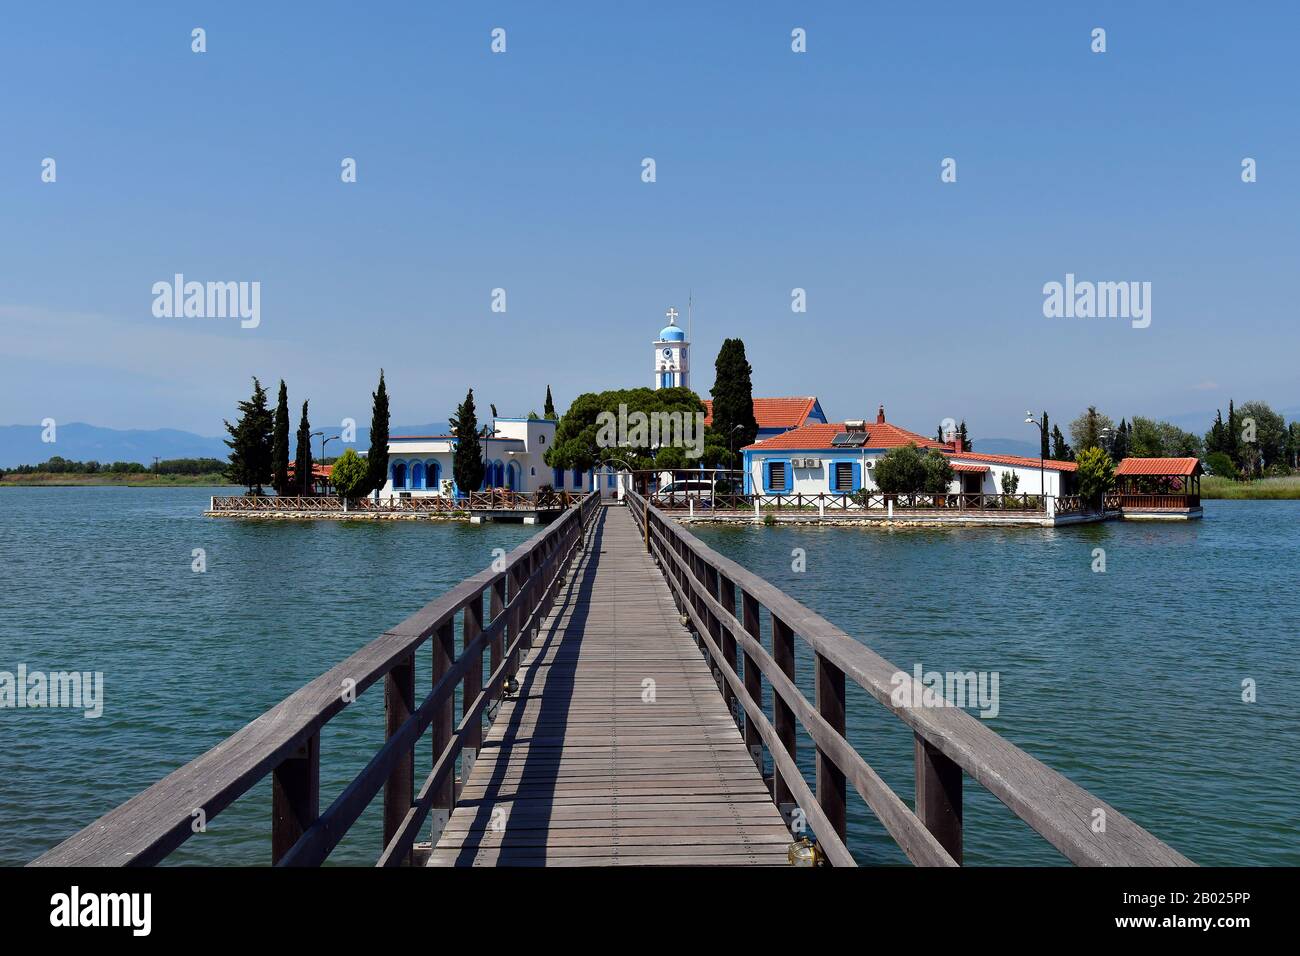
x=421 y=465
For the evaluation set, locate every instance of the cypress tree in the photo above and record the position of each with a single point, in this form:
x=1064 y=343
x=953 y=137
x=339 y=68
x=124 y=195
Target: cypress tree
x=733 y=397
x=467 y=461
x=1061 y=450
x=250 y=442
x=1119 y=448
x=302 y=461
x=280 y=444
x=548 y=411
x=965 y=439
x=377 y=459
x=1045 y=449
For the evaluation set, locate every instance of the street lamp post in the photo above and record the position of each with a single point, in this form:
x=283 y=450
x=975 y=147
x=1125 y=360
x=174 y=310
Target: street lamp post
x=1042 y=440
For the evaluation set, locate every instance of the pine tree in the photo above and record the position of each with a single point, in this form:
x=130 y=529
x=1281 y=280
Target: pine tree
x=377 y=459
x=1045 y=448
x=733 y=397
x=250 y=442
x=966 y=443
x=302 y=461
x=549 y=410
x=280 y=444
x=467 y=461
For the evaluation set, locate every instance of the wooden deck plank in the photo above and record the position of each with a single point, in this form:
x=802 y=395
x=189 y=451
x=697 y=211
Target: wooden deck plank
x=580 y=770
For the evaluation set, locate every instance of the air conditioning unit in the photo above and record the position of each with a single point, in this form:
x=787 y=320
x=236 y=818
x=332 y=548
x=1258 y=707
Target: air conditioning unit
x=812 y=462
x=870 y=463
x=797 y=463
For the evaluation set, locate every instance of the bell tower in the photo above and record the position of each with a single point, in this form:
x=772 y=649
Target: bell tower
x=672 y=367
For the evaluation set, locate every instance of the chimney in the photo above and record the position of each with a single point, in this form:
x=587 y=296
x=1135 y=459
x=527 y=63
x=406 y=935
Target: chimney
x=958 y=446
x=880 y=415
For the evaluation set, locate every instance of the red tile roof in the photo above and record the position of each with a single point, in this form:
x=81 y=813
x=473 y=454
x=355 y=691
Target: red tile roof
x=970 y=469
x=816 y=435
x=317 y=470
x=1158 y=466
x=774 y=412
x=1048 y=463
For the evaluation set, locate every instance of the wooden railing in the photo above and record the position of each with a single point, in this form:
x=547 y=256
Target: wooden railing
x=494 y=499
x=1142 y=502
x=844 y=502
x=948 y=741
x=285 y=741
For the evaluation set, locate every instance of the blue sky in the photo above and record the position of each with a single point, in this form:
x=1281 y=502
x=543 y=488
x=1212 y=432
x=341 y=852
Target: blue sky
x=775 y=170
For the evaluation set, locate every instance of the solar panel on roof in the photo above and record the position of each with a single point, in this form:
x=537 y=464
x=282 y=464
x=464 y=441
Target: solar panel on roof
x=849 y=440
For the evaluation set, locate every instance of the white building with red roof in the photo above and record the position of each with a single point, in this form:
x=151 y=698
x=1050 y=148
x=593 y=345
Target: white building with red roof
x=839 y=457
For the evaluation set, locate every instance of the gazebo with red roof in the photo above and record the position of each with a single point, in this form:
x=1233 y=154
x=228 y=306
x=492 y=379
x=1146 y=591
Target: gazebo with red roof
x=1159 y=487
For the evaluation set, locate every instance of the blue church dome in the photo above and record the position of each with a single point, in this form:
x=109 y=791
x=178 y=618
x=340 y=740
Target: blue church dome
x=671 y=333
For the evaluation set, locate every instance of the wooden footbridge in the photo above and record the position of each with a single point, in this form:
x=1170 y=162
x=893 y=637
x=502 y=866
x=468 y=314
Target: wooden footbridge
x=625 y=666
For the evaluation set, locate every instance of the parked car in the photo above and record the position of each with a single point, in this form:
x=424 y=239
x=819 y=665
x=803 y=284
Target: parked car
x=679 y=492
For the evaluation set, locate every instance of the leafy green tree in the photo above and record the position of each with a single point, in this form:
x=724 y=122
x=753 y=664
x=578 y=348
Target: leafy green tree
x=280 y=444
x=1221 y=465
x=302 y=460
x=1096 y=475
x=548 y=410
x=1144 y=439
x=377 y=458
x=901 y=470
x=938 y=472
x=250 y=442
x=1085 y=431
x=1010 y=482
x=467 y=461
x=1293 y=444
x=1270 y=434
x=587 y=437
x=733 y=398
x=351 y=475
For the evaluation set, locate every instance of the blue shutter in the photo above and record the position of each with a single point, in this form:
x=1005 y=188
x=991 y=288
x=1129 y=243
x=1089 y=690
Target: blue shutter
x=789 y=478
x=857 y=476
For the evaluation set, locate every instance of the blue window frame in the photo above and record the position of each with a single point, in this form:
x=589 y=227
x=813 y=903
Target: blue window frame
x=557 y=479
x=433 y=475
x=417 y=476
x=777 y=477
x=577 y=479
x=399 y=475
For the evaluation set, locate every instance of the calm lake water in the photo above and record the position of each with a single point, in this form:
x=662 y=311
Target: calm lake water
x=1129 y=682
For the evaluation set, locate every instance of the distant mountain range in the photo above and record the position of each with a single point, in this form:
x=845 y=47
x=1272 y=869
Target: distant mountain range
x=77 y=441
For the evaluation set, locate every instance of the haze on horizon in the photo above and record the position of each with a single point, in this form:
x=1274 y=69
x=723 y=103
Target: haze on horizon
x=522 y=171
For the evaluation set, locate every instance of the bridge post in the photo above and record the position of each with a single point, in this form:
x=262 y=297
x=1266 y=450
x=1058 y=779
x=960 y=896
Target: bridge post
x=496 y=603
x=295 y=797
x=753 y=676
x=399 y=788
x=783 y=654
x=938 y=796
x=722 y=636
x=444 y=654
x=473 y=684
x=831 y=789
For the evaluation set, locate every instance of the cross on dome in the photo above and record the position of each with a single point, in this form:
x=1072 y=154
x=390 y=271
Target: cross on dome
x=672 y=315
